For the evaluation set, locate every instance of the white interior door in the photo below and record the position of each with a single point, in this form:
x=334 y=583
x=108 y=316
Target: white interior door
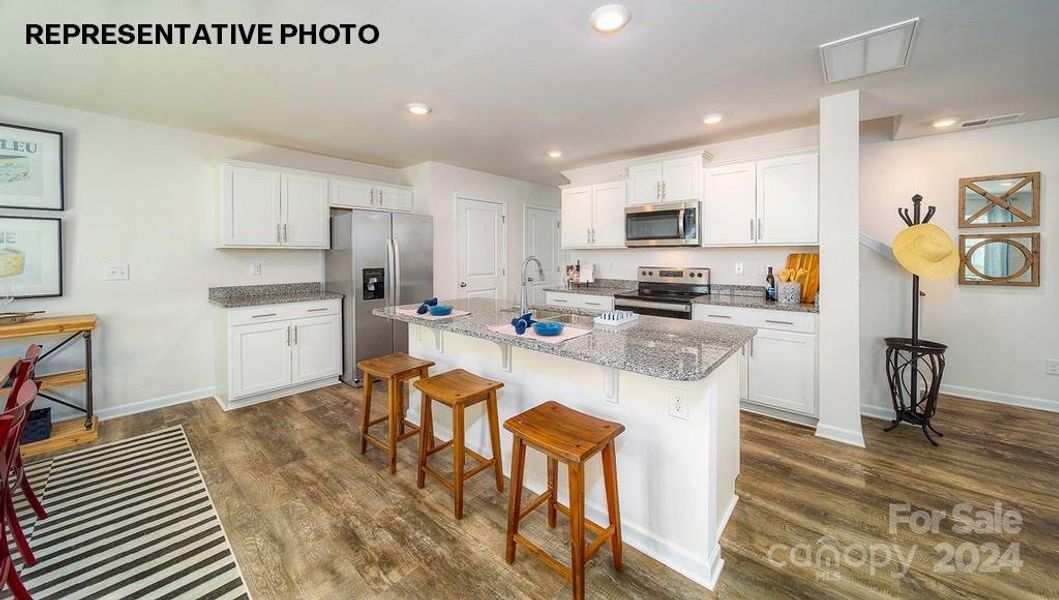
x=480 y=248
x=542 y=240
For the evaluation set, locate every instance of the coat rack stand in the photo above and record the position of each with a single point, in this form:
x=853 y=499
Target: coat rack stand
x=914 y=367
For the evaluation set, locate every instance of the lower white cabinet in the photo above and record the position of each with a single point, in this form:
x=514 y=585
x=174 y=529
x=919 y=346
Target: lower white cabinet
x=778 y=367
x=273 y=350
x=574 y=300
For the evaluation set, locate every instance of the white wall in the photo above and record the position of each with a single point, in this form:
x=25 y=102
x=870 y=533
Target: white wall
x=145 y=195
x=438 y=184
x=998 y=337
x=839 y=324
x=622 y=263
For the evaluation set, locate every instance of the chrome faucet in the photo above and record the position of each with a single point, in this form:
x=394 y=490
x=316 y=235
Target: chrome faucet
x=524 y=304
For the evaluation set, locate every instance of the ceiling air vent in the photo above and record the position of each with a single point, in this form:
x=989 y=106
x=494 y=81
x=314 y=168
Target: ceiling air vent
x=883 y=49
x=997 y=120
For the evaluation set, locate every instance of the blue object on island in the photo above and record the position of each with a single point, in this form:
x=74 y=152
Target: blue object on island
x=431 y=302
x=520 y=326
x=441 y=310
x=548 y=328
x=423 y=309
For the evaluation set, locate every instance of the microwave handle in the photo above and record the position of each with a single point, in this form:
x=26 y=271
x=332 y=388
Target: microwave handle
x=680 y=224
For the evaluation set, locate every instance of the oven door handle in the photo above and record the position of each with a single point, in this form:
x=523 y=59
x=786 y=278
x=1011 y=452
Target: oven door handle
x=684 y=308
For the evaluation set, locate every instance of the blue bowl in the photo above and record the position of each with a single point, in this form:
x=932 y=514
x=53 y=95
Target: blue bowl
x=548 y=328
x=440 y=310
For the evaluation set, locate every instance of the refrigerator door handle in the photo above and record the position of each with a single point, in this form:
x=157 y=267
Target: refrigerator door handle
x=396 y=272
x=390 y=275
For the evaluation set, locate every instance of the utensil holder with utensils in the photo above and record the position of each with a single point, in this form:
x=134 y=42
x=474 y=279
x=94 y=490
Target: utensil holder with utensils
x=790 y=288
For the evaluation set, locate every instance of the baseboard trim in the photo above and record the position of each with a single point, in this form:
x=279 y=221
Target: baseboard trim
x=839 y=434
x=124 y=410
x=1000 y=398
x=877 y=412
x=229 y=404
x=778 y=413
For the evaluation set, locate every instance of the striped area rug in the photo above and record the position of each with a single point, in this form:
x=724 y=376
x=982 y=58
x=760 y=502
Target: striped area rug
x=132 y=519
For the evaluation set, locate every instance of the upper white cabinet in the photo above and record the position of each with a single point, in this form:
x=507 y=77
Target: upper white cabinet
x=593 y=216
x=671 y=180
x=269 y=208
x=355 y=193
x=768 y=201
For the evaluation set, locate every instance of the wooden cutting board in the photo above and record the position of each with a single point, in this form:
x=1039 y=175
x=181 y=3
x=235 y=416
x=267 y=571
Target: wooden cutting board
x=811 y=263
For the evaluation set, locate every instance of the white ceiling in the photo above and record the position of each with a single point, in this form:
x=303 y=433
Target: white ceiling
x=511 y=80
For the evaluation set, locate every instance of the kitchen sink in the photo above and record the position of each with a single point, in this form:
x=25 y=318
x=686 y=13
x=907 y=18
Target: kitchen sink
x=569 y=318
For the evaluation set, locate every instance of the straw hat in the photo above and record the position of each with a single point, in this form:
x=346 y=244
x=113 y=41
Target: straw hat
x=926 y=250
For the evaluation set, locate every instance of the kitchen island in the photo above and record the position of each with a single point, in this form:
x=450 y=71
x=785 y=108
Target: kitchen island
x=674 y=384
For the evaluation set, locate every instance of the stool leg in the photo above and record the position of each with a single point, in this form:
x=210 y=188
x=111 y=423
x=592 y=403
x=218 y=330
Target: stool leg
x=426 y=437
x=577 y=529
x=553 y=475
x=610 y=482
x=366 y=417
x=401 y=407
x=392 y=421
x=457 y=458
x=494 y=437
x=518 y=457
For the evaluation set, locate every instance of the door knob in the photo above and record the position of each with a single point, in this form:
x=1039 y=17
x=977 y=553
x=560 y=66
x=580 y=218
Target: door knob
x=463 y=284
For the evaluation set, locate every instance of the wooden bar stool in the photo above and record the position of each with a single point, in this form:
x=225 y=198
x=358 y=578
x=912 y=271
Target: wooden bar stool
x=395 y=368
x=564 y=434
x=458 y=389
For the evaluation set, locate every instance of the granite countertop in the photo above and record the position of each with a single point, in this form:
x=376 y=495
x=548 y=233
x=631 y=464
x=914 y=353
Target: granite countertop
x=661 y=347
x=739 y=301
x=260 y=295
x=600 y=287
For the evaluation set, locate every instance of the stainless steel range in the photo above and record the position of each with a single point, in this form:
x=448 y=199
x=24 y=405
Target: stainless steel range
x=665 y=291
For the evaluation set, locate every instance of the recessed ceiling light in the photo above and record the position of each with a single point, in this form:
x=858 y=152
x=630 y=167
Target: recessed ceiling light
x=555 y=154
x=713 y=119
x=418 y=108
x=610 y=18
x=944 y=123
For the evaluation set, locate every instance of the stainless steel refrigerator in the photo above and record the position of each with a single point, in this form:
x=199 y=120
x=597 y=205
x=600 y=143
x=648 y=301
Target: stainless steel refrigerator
x=377 y=259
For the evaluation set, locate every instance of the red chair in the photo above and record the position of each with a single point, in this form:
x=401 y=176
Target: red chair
x=11 y=449
x=23 y=371
x=11 y=424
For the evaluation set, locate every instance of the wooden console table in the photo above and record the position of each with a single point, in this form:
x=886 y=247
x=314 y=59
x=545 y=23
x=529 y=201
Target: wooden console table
x=65 y=433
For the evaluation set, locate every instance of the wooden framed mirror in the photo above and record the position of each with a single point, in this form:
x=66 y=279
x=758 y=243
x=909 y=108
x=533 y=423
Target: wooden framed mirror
x=1011 y=200
x=1000 y=259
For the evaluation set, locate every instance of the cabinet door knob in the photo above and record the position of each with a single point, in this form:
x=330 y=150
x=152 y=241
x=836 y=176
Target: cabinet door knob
x=463 y=284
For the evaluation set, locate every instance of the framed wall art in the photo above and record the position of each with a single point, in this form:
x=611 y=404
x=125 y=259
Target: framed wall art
x=30 y=257
x=1011 y=200
x=1000 y=259
x=31 y=168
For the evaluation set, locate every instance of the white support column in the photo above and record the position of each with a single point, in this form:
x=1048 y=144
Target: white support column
x=839 y=321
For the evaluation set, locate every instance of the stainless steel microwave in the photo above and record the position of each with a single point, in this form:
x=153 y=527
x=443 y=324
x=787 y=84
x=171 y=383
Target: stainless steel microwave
x=664 y=224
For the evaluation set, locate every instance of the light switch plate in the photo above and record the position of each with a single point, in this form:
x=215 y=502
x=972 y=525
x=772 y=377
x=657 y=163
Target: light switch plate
x=116 y=272
x=255 y=268
x=1051 y=366
x=678 y=403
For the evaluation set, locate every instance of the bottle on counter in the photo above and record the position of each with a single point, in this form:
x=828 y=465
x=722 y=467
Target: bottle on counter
x=770 y=288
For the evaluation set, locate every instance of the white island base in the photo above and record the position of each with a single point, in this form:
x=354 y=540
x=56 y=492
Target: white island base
x=676 y=474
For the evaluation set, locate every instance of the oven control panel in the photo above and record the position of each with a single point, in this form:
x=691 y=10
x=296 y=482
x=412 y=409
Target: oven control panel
x=688 y=275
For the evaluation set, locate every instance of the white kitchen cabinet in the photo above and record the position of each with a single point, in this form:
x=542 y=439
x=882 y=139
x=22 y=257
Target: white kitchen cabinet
x=788 y=199
x=770 y=201
x=263 y=207
x=778 y=367
x=351 y=193
x=593 y=216
x=730 y=205
x=305 y=211
x=393 y=197
x=270 y=351
x=575 y=300
x=251 y=210
x=783 y=370
x=672 y=180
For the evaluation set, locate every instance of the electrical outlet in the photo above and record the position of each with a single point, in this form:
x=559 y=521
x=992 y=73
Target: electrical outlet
x=1051 y=366
x=738 y=268
x=678 y=403
x=255 y=268
x=116 y=272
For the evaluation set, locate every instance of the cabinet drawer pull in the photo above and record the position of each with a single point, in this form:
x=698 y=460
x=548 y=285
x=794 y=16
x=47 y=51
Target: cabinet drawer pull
x=720 y=316
x=594 y=303
x=264 y=315
x=559 y=300
x=316 y=309
x=779 y=322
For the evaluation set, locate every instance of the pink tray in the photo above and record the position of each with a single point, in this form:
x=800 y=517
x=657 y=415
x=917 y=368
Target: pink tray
x=568 y=333
x=429 y=317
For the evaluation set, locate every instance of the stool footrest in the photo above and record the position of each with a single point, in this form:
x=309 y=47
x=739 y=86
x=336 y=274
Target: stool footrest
x=534 y=505
x=544 y=556
x=596 y=528
x=379 y=420
x=598 y=542
x=439 y=448
x=441 y=478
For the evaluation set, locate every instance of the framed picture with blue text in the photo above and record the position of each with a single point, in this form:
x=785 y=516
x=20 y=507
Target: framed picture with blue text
x=31 y=168
x=31 y=257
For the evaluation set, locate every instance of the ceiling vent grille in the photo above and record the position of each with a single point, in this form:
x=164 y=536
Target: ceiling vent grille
x=996 y=120
x=883 y=49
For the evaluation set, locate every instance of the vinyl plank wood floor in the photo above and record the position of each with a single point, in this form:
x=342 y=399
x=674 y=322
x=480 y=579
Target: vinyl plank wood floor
x=309 y=517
